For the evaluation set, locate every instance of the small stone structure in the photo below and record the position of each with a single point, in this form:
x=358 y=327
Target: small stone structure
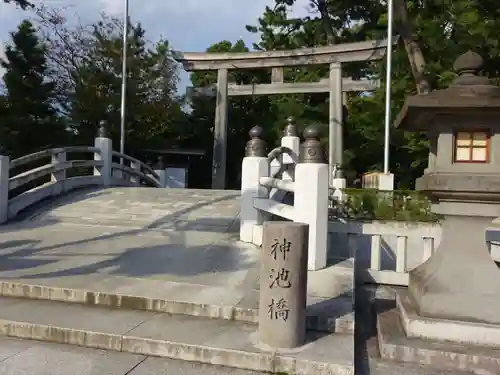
x=283 y=285
x=454 y=296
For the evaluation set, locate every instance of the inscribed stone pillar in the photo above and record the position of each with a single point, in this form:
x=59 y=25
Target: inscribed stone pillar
x=283 y=284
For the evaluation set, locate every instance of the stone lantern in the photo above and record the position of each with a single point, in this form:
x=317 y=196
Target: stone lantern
x=455 y=295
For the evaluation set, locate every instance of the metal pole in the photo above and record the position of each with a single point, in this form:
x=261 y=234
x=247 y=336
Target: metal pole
x=124 y=81
x=388 y=77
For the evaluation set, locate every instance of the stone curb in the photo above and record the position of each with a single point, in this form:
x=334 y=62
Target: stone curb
x=271 y=362
x=322 y=323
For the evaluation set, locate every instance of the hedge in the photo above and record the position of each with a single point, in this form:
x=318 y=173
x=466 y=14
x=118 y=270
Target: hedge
x=374 y=204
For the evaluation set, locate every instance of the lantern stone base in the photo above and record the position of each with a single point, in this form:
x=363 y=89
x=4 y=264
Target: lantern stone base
x=461 y=332
x=404 y=336
x=459 y=281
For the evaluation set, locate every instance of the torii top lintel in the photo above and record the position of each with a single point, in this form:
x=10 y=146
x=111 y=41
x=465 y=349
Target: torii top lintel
x=348 y=52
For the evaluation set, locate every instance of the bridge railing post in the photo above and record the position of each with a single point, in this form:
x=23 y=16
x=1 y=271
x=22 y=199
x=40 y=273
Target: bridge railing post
x=255 y=165
x=4 y=188
x=135 y=179
x=290 y=140
x=161 y=171
x=104 y=143
x=58 y=175
x=311 y=197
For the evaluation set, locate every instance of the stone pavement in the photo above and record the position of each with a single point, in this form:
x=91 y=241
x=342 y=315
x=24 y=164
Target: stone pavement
x=158 y=249
x=162 y=251
x=23 y=357
x=27 y=357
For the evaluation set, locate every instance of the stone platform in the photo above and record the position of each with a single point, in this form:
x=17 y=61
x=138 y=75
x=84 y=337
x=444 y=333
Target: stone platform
x=403 y=336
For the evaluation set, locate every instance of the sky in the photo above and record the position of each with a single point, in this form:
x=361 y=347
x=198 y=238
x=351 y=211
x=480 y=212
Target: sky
x=189 y=25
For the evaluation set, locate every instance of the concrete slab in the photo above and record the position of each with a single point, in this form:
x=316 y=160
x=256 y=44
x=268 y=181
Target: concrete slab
x=39 y=358
x=209 y=341
x=52 y=359
x=161 y=366
x=71 y=315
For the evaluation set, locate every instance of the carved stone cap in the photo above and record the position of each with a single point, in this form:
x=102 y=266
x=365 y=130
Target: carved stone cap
x=101 y=131
x=290 y=129
x=256 y=146
x=467 y=66
x=160 y=162
x=311 y=150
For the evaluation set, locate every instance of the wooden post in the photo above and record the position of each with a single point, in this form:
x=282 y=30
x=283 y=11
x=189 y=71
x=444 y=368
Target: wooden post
x=283 y=289
x=220 y=132
x=335 y=144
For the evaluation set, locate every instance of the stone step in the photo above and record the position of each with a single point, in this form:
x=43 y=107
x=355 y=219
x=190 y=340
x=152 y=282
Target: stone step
x=324 y=314
x=211 y=341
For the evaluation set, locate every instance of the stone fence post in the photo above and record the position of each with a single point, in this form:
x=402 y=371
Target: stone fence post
x=103 y=143
x=161 y=171
x=283 y=284
x=60 y=175
x=4 y=188
x=311 y=196
x=292 y=141
x=255 y=165
x=135 y=180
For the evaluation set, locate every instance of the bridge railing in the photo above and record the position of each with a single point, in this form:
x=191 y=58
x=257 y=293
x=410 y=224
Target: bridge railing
x=31 y=178
x=303 y=172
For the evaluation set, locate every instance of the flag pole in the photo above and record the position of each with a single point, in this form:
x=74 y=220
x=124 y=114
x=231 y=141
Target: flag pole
x=124 y=80
x=387 y=127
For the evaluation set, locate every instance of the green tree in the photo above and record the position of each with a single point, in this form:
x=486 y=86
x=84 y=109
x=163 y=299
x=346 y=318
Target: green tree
x=433 y=34
x=87 y=61
x=30 y=121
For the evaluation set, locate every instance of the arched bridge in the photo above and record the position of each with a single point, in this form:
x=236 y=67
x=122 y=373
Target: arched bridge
x=83 y=225
x=87 y=218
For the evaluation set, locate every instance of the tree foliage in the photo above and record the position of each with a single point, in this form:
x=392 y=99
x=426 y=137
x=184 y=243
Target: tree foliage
x=432 y=33
x=29 y=120
x=71 y=75
x=87 y=62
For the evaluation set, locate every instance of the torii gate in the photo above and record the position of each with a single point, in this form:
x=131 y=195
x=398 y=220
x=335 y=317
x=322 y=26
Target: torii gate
x=335 y=85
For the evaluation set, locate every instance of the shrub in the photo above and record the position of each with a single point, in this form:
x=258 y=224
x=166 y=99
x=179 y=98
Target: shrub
x=374 y=204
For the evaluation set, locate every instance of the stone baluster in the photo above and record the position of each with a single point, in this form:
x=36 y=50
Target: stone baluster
x=311 y=196
x=161 y=171
x=135 y=179
x=58 y=157
x=255 y=165
x=290 y=140
x=105 y=155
